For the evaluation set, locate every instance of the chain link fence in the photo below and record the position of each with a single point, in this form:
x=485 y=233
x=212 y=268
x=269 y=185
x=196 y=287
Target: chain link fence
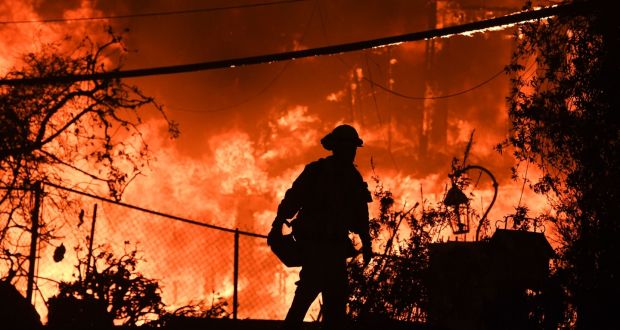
x=195 y=263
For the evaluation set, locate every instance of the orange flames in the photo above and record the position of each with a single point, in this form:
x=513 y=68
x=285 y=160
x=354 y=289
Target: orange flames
x=230 y=168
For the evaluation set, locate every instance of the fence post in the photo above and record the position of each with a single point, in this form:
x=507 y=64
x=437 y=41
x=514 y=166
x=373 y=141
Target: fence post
x=34 y=233
x=236 y=274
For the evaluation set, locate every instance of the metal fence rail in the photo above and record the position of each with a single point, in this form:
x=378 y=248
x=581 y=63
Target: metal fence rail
x=193 y=261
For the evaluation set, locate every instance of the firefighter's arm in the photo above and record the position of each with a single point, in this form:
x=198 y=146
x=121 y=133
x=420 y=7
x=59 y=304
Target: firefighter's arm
x=292 y=201
x=363 y=224
x=290 y=204
x=364 y=233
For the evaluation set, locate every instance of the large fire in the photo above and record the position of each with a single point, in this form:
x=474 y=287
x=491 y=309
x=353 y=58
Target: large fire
x=247 y=132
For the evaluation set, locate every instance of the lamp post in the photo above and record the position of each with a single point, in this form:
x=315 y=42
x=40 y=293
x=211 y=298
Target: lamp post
x=458 y=203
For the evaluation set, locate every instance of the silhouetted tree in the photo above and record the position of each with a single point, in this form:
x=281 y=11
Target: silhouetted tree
x=111 y=289
x=565 y=120
x=87 y=131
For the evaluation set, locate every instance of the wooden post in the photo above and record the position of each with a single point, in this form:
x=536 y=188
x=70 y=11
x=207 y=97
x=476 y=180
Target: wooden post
x=34 y=233
x=236 y=274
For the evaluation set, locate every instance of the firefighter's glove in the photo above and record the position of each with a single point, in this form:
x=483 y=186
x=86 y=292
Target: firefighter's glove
x=276 y=230
x=367 y=253
x=278 y=222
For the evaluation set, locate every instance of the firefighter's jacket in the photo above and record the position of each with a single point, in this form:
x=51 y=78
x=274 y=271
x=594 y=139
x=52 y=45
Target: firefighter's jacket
x=330 y=199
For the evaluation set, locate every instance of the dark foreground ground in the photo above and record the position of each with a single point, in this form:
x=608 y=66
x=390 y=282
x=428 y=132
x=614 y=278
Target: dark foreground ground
x=224 y=324
x=272 y=325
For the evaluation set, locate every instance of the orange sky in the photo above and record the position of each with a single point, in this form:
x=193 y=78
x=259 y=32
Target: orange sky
x=247 y=132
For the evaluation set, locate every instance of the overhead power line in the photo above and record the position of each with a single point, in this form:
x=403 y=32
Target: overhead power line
x=445 y=96
x=259 y=92
x=151 y=14
x=374 y=83
x=507 y=20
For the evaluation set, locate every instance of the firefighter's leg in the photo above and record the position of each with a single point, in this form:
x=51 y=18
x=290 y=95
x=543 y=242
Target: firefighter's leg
x=335 y=296
x=308 y=289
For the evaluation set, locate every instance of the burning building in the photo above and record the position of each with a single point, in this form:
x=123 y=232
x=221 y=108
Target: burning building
x=246 y=132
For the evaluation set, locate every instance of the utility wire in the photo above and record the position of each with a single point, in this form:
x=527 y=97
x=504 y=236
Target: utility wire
x=266 y=87
x=507 y=20
x=237 y=104
x=373 y=83
x=145 y=210
x=445 y=96
x=152 y=14
x=374 y=96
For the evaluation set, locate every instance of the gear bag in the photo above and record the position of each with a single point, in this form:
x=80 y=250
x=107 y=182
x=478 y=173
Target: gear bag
x=288 y=249
x=285 y=247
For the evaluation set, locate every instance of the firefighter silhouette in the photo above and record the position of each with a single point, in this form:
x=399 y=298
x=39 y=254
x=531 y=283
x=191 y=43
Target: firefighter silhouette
x=329 y=199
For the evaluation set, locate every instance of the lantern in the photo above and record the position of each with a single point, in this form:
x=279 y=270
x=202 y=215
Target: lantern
x=458 y=204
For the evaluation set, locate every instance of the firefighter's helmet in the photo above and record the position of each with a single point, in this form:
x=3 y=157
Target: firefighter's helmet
x=342 y=135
